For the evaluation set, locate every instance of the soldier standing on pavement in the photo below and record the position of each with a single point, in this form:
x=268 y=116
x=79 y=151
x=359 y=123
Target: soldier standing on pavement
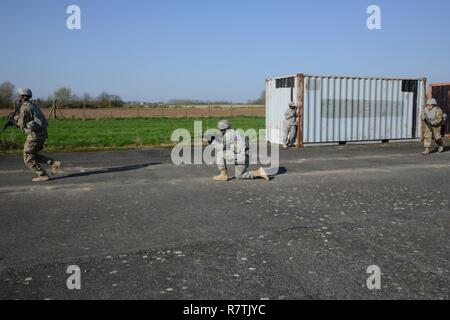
x=432 y=117
x=34 y=124
x=290 y=123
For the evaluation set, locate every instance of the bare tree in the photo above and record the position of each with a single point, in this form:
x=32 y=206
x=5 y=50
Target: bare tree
x=63 y=94
x=6 y=94
x=262 y=98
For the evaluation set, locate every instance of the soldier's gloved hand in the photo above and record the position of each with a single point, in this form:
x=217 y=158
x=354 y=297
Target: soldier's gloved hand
x=209 y=138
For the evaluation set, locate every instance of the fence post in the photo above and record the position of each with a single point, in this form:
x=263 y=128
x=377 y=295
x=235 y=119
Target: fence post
x=209 y=110
x=110 y=109
x=231 y=109
x=55 y=107
x=84 y=110
x=253 y=113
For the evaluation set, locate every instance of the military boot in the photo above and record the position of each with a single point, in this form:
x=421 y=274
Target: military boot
x=426 y=152
x=441 y=145
x=55 y=167
x=223 y=176
x=261 y=173
x=42 y=178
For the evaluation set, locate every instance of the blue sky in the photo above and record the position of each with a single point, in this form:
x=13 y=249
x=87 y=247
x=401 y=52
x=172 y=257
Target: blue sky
x=156 y=50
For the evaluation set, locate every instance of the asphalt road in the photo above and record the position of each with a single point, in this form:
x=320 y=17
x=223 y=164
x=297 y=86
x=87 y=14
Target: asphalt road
x=141 y=228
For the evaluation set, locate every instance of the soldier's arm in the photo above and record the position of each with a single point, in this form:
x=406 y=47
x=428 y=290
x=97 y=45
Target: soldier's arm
x=288 y=114
x=25 y=116
x=422 y=115
x=241 y=144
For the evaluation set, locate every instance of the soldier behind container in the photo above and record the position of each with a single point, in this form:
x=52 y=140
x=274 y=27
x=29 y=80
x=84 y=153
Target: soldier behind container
x=432 y=117
x=34 y=124
x=232 y=147
x=290 y=126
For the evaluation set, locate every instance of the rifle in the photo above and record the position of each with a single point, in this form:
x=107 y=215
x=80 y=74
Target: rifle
x=10 y=119
x=431 y=128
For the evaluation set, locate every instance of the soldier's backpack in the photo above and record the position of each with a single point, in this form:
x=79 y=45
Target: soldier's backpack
x=39 y=121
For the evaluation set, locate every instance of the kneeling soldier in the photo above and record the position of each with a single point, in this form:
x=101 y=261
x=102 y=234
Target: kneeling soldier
x=233 y=148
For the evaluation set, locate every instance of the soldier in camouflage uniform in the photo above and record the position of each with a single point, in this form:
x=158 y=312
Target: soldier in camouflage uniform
x=432 y=117
x=34 y=124
x=290 y=124
x=232 y=147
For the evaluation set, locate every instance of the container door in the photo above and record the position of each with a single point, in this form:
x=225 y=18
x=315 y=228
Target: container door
x=280 y=92
x=412 y=87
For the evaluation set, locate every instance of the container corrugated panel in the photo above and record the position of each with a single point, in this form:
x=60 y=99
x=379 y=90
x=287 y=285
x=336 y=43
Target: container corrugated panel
x=441 y=92
x=353 y=109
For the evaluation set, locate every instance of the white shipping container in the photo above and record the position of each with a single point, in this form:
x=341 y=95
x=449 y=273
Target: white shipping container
x=334 y=109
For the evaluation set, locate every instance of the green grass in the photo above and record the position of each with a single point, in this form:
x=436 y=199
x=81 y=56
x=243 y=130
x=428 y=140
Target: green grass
x=79 y=135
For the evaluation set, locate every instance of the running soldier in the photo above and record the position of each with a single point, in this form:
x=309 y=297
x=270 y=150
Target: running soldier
x=34 y=124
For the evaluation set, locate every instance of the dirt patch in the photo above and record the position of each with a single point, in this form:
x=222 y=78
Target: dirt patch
x=188 y=112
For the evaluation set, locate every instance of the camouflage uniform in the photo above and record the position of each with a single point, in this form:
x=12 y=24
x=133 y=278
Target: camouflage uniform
x=35 y=138
x=434 y=117
x=233 y=149
x=290 y=133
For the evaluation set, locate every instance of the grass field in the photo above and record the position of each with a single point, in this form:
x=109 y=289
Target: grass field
x=79 y=135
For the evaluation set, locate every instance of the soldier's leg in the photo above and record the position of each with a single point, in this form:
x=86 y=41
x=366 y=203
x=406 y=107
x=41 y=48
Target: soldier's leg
x=242 y=172
x=286 y=137
x=439 y=139
x=292 y=136
x=41 y=158
x=221 y=164
x=30 y=156
x=427 y=140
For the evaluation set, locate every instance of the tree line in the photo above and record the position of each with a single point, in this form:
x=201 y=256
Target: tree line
x=65 y=99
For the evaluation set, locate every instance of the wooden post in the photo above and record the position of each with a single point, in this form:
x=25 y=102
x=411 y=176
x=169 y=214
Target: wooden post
x=110 y=109
x=50 y=114
x=231 y=109
x=55 y=107
x=84 y=110
x=185 y=110
x=253 y=114
x=209 y=110
x=300 y=89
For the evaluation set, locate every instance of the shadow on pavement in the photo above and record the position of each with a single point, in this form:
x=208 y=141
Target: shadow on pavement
x=107 y=170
